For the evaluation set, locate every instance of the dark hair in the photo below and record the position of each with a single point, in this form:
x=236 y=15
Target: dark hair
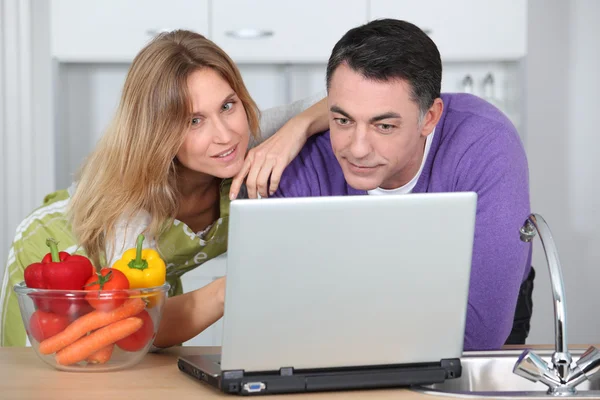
x=387 y=49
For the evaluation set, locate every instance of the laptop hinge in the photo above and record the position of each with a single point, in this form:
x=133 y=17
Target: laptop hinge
x=234 y=374
x=286 y=371
x=452 y=366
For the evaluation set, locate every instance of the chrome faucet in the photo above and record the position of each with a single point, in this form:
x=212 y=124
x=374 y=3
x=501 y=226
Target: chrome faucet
x=561 y=375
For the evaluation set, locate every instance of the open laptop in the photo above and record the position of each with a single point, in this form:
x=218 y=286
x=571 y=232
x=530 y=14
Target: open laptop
x=334 y=293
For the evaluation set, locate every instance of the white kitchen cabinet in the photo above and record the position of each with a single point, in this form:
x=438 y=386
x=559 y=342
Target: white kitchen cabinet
x=464 y=30
x=116 y=30
x=275 y=31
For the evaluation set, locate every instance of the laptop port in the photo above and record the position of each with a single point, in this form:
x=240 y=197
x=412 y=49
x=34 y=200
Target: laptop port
x=253 y=387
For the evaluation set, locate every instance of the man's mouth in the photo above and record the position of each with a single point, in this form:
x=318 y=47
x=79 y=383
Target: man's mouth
x=360 y=166
x=361 y=169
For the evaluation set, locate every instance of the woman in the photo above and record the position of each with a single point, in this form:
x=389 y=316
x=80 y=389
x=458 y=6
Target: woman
x=163 y=168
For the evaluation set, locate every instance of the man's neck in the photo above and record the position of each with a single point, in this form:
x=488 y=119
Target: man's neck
x=408 y=172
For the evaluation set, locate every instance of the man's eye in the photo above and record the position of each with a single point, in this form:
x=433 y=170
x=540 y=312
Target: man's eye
x=227 y=106
x=386 y=127
x=343 y=121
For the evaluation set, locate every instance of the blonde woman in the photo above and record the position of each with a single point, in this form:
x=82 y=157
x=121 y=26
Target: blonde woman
x=163 y=168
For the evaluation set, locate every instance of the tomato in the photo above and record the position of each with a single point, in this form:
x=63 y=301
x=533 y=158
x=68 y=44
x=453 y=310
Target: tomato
x=43 y=325
x=140 y=338
x=79 y=310
x=60 y=304
x=104 y=289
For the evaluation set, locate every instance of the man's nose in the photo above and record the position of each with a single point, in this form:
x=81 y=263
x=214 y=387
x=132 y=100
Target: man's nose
x=360 y=146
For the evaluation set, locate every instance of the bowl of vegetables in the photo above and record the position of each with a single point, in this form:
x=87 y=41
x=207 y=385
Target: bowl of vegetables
x=79 y=318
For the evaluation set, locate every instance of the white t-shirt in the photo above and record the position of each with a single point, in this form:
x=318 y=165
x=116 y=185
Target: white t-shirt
x=410 y=185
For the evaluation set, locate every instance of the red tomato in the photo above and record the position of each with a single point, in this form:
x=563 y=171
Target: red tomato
x=59 y=304
x=102 y=286
x=140 y=338
x=43 y=325
x=80 y=310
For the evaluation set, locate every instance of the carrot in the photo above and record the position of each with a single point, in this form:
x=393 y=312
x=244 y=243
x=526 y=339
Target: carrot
x=89 y=322
x=101 y=356
x=88 y=345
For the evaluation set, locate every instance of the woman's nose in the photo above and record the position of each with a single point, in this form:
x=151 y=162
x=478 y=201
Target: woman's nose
x=223 y=134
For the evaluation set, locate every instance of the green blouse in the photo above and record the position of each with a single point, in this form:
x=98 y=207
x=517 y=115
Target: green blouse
x=182 y=250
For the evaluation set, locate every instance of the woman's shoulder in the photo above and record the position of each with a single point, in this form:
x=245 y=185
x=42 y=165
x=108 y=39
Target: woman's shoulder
x=48 y=220
x=53 y=204
x=61 y=195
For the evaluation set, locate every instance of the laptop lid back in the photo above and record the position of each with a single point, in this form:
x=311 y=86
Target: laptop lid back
x=347 y=281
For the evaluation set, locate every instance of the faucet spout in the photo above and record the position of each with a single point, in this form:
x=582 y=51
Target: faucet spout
x=561 y=375
x=536 y=223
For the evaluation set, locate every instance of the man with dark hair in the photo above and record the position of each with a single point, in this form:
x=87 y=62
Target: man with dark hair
x=393 y=132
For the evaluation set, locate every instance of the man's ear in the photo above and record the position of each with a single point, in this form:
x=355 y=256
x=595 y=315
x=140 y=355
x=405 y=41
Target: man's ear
x=432 y=117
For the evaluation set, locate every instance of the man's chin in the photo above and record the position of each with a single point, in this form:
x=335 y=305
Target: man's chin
x=362 y=183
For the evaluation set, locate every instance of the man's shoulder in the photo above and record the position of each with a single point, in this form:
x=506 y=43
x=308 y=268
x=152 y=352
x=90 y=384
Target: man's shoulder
x=474 y=113
x=318 y=146
x=314 y=171
x=471 y=122
x=315 y=154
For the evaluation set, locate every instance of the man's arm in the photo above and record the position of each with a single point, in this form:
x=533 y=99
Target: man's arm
x=497 y=170
x=305 y=175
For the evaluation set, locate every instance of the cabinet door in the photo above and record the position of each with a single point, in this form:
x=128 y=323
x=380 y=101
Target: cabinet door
x=283 y=31
x=116 y=30
x=464 y=30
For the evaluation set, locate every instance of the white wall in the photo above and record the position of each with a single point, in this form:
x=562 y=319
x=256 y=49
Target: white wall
x=562 y=141
x=26 y=122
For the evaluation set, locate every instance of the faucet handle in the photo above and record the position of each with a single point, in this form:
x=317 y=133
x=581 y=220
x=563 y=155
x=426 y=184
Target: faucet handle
x=589 y=363
x=532 y=367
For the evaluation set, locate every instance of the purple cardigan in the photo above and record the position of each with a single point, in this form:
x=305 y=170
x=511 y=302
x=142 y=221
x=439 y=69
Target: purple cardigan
x=475 y=148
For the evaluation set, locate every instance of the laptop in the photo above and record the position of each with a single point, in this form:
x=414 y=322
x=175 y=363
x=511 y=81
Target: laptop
x=336 y=293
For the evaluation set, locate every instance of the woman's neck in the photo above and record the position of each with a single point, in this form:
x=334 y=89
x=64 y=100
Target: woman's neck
x=199 y=204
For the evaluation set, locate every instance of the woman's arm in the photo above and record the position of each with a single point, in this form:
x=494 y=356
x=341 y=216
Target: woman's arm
x=187 y=315
x=312 y=109
x=265 y=163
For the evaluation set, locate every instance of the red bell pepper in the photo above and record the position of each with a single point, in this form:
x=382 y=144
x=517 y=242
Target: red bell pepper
x=58 y=270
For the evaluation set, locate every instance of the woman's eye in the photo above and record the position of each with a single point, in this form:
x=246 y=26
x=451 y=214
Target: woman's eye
x=195 y=121
x=227 y=106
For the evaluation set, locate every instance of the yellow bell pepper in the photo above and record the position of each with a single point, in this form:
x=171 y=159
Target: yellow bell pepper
x=143 y=268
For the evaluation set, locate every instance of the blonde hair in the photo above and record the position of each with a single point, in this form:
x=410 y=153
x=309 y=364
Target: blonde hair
x=133 y=167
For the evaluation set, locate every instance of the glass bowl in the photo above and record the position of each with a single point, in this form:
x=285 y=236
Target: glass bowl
x=85 y=330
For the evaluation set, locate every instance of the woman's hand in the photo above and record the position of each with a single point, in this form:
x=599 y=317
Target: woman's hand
x=265 y=163
x=188 y=314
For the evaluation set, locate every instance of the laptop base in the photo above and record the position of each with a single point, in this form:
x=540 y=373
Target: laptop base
x=288 y=380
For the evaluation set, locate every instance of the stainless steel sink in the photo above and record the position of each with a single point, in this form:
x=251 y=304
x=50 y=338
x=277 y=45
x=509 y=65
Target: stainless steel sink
x=490 y=374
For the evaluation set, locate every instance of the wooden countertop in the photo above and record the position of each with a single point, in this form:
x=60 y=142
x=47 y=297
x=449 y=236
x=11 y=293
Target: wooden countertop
x=24 y=376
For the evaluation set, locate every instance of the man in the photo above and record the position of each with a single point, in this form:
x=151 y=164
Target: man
x=392 y=132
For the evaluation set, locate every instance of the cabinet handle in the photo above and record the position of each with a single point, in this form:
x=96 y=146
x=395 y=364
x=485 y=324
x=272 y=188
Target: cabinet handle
x=249 y=33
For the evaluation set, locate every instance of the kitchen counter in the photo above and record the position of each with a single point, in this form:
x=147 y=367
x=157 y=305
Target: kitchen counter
x=24 y=376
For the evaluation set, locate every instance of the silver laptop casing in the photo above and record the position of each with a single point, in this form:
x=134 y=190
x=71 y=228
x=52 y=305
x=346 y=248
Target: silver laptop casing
x=328 y=282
